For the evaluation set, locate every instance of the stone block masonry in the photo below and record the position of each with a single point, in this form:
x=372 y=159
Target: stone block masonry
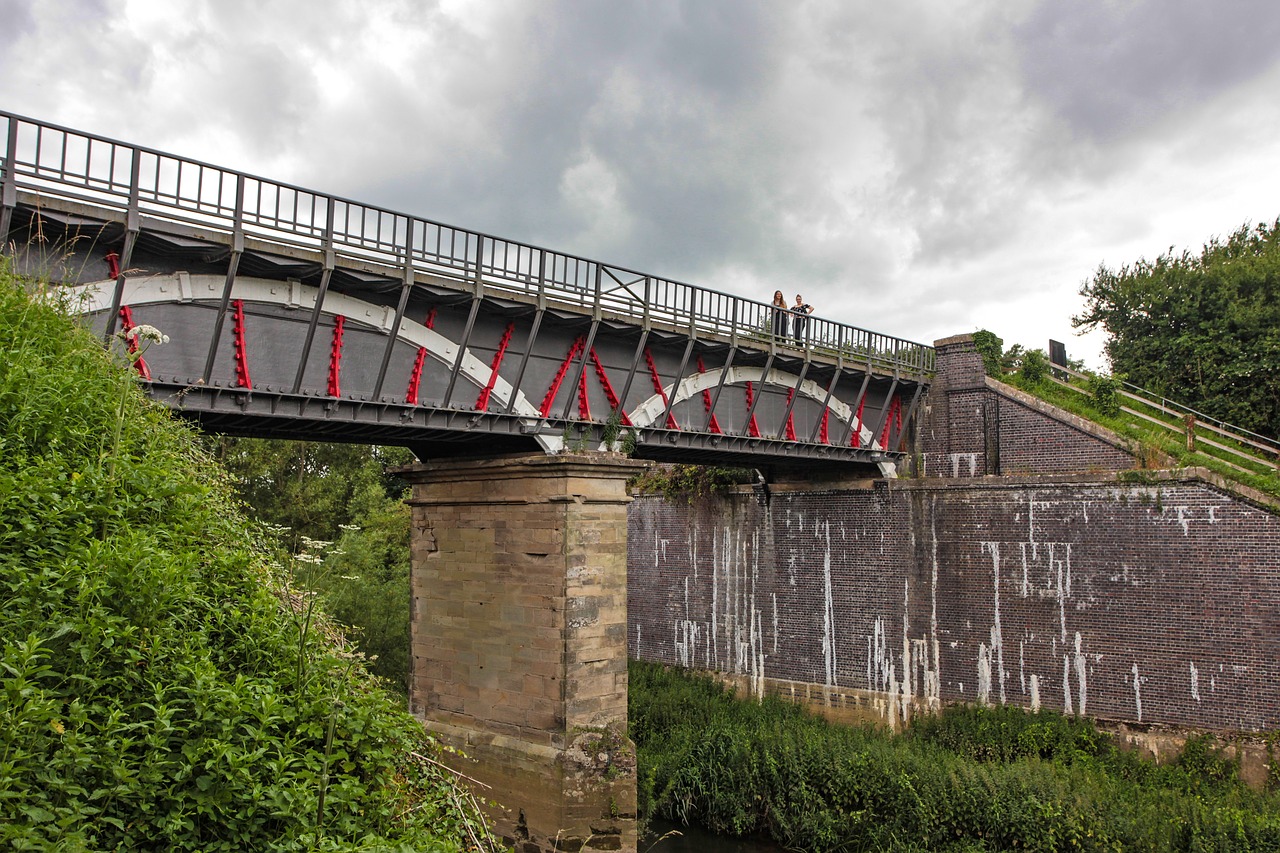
x=519 y=618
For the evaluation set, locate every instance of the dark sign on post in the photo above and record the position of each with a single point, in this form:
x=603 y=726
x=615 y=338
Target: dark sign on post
x=1057 y=353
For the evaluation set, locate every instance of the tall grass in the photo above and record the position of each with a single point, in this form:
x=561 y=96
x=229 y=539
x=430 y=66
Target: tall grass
x=969 y=779
x=150 y=696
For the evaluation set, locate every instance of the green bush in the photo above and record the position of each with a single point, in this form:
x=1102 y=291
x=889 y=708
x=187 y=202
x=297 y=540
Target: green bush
x=690 y=484
x=162 y=688
x=1104 y=393
x=1034 y=367
x=991 y=347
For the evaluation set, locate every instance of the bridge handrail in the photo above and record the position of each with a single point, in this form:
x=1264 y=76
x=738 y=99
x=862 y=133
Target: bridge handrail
x=71 y=164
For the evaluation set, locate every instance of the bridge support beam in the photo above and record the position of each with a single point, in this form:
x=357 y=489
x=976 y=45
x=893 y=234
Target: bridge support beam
x=519 y=639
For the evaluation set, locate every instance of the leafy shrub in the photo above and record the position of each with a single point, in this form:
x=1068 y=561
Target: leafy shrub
x=1104 y=392
x=991 y=348
x=1034 y=368
x=690 y=483
x=161 y=687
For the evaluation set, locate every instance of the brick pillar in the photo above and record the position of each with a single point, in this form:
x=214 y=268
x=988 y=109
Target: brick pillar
x=960 y=434
x=520 y=639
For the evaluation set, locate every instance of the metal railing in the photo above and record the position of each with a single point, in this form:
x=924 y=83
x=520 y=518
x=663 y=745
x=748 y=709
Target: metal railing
x=59 y=162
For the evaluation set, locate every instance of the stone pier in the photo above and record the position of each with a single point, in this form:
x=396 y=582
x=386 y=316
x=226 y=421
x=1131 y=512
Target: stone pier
x=520 y=640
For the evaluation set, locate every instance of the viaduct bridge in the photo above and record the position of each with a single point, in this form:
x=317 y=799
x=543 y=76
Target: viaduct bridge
x=510 y=370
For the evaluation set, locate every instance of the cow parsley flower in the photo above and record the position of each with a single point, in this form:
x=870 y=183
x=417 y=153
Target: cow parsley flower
x=145 y=333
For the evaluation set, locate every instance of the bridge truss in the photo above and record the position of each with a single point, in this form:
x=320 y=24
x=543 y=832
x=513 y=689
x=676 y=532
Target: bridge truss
x=294 y=313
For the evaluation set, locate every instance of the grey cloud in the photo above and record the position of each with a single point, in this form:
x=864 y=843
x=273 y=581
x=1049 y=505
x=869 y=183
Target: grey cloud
x=954 y=132
x=669 y=144
x=15 y=15
x=900 y=164
x=1110 y=69
x=68 y=62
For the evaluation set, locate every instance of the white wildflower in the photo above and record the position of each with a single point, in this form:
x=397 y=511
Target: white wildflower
x=145 y=333
x=348 y=527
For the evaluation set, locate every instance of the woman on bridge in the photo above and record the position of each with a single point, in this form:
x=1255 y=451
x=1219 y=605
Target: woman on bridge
x=802 y=310
x=781 y=311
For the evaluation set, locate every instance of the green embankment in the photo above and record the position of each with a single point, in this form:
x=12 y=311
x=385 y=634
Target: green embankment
x=1096 y=399
x=161 y=691
x=969 y=780
x=1152 y=427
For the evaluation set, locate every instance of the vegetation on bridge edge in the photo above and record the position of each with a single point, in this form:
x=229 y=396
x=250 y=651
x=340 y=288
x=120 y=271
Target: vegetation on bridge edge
x=969 y=779
x=162 y=685
x=690 y=484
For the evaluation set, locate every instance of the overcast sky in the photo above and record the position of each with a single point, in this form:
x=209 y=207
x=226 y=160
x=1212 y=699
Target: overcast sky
x=919 y=167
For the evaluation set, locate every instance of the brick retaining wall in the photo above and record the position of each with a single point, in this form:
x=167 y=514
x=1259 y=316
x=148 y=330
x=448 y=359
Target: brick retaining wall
x=1030 y=564
x=1142 y=602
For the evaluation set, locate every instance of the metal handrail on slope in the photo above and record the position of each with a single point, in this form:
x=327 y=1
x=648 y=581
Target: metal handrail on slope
x=65 y=163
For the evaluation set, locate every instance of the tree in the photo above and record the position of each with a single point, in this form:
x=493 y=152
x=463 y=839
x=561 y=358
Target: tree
x=1201 y=329
x=340 y=503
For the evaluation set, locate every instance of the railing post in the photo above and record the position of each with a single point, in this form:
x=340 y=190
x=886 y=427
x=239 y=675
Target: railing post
x=407 y=277
x=9 y=183
x=325 y=275
x=476 y=297
x=586 y=350
x=533 y=331
x=639 y=353
x=131 y=221
x=233 y=265
x=1189 y=422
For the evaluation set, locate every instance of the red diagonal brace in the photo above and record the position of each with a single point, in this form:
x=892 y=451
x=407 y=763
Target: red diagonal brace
x=856 y=439
x=238 y=345
x=584 y=405
x=895 y=411
x=550 y=398
x=823 y=434
x=126 y=323
x=753 y=429
x=791 y=416
x=415 y=378
x=335 y=357
x=657 y=388
x=482 y=402
x=614 y=403
x=712 y=424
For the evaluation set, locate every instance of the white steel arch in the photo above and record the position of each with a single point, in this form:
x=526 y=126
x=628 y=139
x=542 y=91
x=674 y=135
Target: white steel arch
x=96 y=296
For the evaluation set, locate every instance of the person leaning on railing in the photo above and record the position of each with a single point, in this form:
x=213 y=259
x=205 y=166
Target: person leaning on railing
x=802 y=310
x=781 y=313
